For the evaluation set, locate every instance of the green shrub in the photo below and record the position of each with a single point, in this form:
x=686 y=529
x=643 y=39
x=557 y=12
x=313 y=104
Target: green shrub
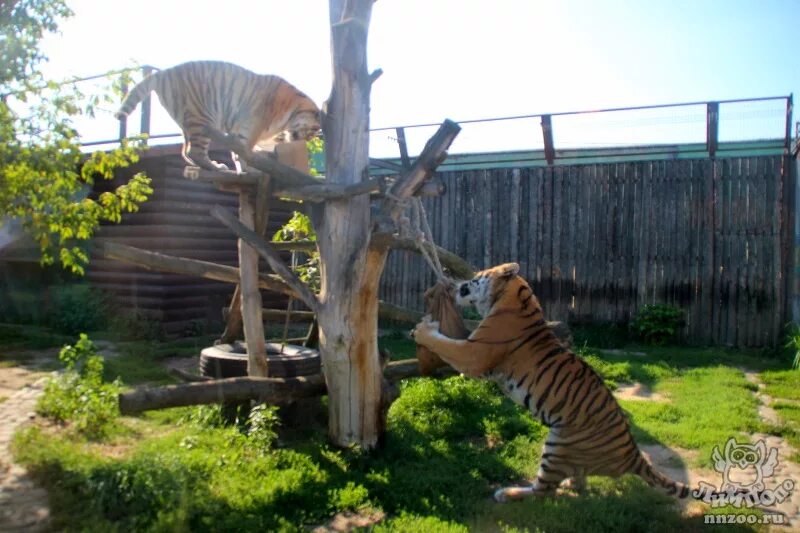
x=79 y=395
x=77 y=308
x=262 y=425
x=136 y=326
x=657 y=324
x=793 y=345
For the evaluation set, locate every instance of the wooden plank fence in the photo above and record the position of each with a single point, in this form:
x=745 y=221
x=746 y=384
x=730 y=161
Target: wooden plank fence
x=598 y=241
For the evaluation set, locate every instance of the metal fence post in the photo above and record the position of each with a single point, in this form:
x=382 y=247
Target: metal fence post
x=712 y=128
x=401 y=142
x=547 y=134
x=123 y=122
x=145 y=120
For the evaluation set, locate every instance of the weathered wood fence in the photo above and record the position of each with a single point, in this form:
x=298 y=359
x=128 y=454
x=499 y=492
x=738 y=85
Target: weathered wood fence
x=598 y=241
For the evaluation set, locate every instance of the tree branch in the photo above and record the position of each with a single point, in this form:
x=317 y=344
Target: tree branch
x=432 y=155
x=373 y=77
x=283 y=176
x=265 y=251
x=192 y=267
x=330 y=191
x=456 y=265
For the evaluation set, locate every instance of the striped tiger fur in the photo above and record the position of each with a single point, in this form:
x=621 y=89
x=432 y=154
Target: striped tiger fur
x=253 y=107
x=512 y=345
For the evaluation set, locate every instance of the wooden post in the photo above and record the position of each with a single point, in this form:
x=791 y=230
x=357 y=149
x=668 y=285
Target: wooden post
x=251 y=297
x=350 y=274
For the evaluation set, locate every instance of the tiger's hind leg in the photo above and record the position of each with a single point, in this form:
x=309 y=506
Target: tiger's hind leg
x=195 y=152
x=577 y=482
x=547 y=481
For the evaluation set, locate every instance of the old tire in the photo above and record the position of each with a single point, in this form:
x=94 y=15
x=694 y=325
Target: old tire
x=230 y=360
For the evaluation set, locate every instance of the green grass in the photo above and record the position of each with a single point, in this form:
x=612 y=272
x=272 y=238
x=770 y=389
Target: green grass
x=398 y=343
x=25 y=337
x=449 y=444
x=142 y=361
x=782 y=383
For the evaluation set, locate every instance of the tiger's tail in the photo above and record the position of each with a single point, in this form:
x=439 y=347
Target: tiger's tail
x=705 y=492
x=136 y=95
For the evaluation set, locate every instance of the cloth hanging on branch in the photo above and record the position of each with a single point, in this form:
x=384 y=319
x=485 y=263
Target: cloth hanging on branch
x=440 y=305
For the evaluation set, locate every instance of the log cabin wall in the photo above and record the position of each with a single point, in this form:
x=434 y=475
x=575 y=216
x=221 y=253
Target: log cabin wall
x=175 y=221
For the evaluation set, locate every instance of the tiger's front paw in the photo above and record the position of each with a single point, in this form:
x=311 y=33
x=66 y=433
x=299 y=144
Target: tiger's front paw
x=424 y=332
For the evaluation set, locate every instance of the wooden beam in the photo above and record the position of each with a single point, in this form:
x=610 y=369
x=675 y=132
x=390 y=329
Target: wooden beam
x=190 y=267
x=194 y=267
x=456 y=265
x=267 y=390
x=403 y=146
x=330 y=191
x=226 y=178
x=253 y=323
x=432 y=155
x=272 y=257
x=283 y=176
x=234 y=325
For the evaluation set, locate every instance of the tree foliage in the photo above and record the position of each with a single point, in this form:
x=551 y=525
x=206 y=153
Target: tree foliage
x=44 y=176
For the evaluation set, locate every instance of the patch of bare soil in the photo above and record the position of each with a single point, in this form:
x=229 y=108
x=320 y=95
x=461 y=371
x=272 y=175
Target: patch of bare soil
x=349 y=521
x=638 y=391
x=23 y=505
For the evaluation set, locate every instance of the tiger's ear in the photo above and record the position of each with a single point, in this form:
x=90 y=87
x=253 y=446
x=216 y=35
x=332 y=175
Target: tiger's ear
x=509 y=269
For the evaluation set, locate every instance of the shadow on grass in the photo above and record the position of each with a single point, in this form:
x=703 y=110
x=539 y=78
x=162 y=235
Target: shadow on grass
x=450 y=443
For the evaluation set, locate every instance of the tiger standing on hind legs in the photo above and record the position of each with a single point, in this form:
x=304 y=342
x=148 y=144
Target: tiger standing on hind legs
x=513 y=346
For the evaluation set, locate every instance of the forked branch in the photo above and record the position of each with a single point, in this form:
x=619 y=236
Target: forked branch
x=265 y=251
x=432 y=155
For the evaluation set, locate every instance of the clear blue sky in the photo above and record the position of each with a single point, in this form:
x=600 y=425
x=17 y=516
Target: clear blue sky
x=472 y=59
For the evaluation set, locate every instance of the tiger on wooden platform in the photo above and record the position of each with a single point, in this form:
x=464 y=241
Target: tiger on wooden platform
x=213 y=94
x=512 y=345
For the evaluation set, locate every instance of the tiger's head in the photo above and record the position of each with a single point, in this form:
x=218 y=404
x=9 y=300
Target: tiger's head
x=304 y=123
x=486 y=288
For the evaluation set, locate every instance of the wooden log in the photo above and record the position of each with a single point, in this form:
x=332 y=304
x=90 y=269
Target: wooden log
x=187 y=376
x=456 y=265
x=267 y=390
x=226 y=178
x=283 y=176
x=191 y=267
x=233 y=323
x=280 y=314
x=264 y=250
x=432 y=155
x=251 y=296
x=329 y=191
x=204 y=269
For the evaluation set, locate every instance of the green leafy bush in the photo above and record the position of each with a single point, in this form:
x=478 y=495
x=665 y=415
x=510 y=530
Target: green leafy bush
x=657 y=324
x=136 y=326
x=79 y=395
x=263 y=423
x=793 y=345
x=77 y=308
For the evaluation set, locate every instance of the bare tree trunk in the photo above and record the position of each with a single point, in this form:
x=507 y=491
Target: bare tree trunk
x=350 y=273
